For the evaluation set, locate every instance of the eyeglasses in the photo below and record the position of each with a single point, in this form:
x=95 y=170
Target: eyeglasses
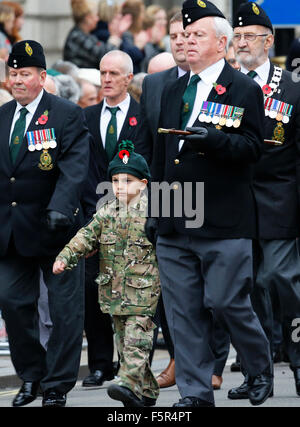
x=247 y=37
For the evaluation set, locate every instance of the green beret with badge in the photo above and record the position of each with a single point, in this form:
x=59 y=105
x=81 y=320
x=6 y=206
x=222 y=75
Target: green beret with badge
x=127 y=161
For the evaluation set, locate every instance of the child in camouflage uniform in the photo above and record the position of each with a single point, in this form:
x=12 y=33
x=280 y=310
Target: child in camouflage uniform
x=128 y=280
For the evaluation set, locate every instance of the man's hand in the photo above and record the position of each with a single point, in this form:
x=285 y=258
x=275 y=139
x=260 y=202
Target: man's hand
x=58 y=267
x=194 y=140
x=151 y=230
x=57 y=220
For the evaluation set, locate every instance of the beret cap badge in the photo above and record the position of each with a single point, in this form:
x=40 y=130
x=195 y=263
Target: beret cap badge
x=201 y=3
x=28 y=49
x=255 y=9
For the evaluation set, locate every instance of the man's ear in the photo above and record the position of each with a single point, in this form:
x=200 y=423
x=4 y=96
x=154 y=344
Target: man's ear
x=269 y=41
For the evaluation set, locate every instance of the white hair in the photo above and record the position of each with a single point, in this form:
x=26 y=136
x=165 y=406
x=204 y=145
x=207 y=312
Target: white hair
x=126 y=62
x=223 y=28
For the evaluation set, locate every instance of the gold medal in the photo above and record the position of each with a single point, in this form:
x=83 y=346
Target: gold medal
x=222 y=121
x=279 y=117
x=279 y=133
x=236 y=123
x=45 y=161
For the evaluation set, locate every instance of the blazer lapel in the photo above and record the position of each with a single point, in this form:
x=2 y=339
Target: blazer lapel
x=4 y=146
x=225 y=80
x=45 y=104
x=94 y=128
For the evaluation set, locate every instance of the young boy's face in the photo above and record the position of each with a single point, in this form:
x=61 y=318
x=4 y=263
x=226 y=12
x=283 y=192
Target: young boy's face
x=126 y=187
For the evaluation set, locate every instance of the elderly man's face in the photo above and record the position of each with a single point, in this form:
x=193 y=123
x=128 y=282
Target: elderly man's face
x=114 y=80
x=26 y=83
x=202 y=47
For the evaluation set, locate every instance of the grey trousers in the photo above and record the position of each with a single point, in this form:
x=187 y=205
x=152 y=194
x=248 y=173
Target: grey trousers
x=200 y=277
x=279 y=275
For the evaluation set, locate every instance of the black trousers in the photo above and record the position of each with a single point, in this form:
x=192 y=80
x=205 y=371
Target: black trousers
x=97 y=325
x=57 y=368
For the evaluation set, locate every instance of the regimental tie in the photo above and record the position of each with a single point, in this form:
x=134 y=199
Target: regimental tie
x=252 y=74
x=188 y=100
x=18 y=135
x=111 y=138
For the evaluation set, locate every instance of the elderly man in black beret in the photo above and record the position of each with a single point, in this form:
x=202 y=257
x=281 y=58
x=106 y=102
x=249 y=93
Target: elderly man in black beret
x=276 y=186
x=206 y=263
x=43 y=164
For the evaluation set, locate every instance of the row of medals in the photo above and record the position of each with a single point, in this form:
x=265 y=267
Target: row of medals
x=221 y=121
x=273 y=114
x=42 y=145
x=236 y=122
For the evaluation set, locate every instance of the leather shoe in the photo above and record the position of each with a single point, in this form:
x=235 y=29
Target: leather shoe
x=260 y=388
x=193 y=402
x=96 y=379
x=167 y=377
x=216 y=382
x=297 y=379
x=149 y=401
x=26 y=394
x=54 y=399
x=126 y=396
x=240 y=392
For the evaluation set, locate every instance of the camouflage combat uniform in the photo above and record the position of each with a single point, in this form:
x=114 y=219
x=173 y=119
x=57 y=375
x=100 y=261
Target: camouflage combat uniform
x=128 y=285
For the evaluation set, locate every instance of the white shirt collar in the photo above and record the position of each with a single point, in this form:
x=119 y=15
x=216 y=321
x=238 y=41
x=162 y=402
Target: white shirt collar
x=33 y=105
x=262 y=71
x=181 y=72
x=211 y=74
x=122 y=105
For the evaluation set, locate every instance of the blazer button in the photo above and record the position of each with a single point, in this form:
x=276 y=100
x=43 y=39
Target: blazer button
x=175 y=187
x=176 y=161
x=14 y=204
x=12 y=179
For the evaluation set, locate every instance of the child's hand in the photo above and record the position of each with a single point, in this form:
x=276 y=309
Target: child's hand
x=58 y=267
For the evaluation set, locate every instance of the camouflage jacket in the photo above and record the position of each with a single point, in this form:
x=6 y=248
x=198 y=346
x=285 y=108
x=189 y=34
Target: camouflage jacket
x=128 y=279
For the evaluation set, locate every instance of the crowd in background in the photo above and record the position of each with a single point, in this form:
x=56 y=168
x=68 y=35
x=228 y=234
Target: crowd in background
x=140 y=31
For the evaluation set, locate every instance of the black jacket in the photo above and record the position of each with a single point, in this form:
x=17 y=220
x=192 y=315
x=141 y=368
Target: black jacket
x=27 y=192
x=277 y=174
x=223 y=164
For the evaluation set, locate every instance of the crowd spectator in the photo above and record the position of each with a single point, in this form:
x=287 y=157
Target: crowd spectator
x=68 y=87
x=7 y=18
x=88 y=94
x=15 y=35
x=81 y=47
x=160 y=62
x=135 y=87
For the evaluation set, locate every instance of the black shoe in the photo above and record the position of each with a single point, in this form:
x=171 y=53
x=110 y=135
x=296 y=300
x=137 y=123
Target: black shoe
x=149 y=401
x=297 y=379
x=26 y=394
x=54 y=399
x=240 y=392
x=126 y=396
x=96 y=379
x=193 y=402
x=260 y=388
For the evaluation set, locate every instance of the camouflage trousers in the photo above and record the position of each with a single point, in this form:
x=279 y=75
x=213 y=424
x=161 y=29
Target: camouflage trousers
x=134 y=340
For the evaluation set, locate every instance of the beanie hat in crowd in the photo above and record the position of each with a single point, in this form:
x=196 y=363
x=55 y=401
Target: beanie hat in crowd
x=127 y=161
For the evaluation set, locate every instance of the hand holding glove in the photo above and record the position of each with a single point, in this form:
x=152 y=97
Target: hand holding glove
x=194 y=140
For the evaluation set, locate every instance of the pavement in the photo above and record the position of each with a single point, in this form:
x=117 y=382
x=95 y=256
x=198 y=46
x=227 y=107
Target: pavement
x=284 y=386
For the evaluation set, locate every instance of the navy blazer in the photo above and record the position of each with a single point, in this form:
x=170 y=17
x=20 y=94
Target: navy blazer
x=223 y=163
x=28 y=192
x=99 y=161
x=152 y=89
x=277 y=174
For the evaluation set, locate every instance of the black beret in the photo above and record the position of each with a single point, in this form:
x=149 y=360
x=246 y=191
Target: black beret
x=27 y=53
x=251 y=14
x=192 y=10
